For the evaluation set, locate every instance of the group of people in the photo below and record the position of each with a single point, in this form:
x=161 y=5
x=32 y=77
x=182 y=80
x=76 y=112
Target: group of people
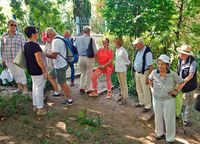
x=158 y=86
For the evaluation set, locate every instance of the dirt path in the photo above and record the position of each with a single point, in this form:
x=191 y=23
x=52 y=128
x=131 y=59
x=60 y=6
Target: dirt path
x=120 y=124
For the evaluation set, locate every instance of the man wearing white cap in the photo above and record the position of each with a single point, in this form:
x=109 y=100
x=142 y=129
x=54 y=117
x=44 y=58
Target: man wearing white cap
x=187 y=69
x=143 y=66
x=163 y=86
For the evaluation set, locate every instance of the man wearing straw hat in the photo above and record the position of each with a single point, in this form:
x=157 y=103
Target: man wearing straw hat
x=187 y=69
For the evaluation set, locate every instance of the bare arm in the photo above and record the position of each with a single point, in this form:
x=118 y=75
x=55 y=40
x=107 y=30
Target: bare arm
x=150 y=69
x=52 y=55
x=176 y=90
x=38 y=56
x=189 y=77
x=150 y=83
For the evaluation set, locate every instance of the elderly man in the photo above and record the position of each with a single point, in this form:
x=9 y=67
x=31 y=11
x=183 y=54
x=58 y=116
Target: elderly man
x=143 y=66
x=187 y=69
x=86 y=64
x=58 y=54
x=12 y=41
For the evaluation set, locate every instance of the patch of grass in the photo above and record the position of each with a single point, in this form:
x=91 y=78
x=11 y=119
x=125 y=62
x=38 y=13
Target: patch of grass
x=51 y=114
x=82 y=119
x=45 y=141
x=26 y=121
x=18 y=104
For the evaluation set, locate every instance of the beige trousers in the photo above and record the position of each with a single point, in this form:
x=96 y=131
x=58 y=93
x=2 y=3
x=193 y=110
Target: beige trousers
x=123 y=84
x=188 y=97
x=86 y=67
x=143 y=89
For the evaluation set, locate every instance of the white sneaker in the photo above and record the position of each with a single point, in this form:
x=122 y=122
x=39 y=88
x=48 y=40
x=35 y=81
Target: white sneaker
x=56 y=94
x=25 y=93
x=17 y=91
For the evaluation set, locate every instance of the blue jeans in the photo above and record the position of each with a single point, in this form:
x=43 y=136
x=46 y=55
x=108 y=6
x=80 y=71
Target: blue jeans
x=72 y=71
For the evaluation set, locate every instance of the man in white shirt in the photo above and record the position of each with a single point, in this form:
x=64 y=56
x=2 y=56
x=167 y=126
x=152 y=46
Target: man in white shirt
x=60 y=64
x=143 y=66
x=121 y=64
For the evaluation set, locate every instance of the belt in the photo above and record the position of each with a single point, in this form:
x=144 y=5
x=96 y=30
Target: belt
x=144 y=71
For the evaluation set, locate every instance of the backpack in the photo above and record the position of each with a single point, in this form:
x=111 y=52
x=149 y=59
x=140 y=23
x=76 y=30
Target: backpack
x=72 y=53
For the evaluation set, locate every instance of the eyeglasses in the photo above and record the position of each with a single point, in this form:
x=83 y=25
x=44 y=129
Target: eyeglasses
x=13 y=25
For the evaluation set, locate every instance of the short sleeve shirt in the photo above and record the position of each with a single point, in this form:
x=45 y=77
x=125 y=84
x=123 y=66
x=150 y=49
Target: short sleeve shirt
x=82 y=43
x=30 y=48
x=163 y=85
x=58 y=46
x=10 y=46
x=192 y=67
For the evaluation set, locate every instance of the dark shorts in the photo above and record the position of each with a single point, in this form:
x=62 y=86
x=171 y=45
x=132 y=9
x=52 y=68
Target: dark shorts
x=59 y=74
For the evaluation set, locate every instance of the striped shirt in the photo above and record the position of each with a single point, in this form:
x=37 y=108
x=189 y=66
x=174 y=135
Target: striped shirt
x=163 y=85
x=10 y=46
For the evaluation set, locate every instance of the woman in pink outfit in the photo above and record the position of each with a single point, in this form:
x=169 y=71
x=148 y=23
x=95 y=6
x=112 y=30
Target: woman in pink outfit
x=104 y=58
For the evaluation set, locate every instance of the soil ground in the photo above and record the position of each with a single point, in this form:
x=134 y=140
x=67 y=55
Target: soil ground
x=91 y=120
x=120 y=124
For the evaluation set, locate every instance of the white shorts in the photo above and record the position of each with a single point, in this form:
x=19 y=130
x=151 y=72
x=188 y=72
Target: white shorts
x=17 y=73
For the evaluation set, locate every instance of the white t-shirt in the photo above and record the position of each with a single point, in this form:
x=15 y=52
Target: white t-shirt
x=58 y=46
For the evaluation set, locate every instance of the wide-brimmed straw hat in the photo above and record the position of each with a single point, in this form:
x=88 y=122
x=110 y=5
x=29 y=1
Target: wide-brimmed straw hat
x=185 y=49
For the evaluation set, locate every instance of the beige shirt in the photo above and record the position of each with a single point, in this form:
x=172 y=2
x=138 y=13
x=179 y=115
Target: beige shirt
x=163 y=85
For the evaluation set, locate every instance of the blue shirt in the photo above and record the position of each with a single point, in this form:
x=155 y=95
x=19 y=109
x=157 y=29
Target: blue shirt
x=139 y=60
x=82 y=43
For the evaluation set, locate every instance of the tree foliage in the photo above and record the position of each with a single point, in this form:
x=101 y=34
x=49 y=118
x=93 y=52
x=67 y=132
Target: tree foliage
x=133 y=17
x=2 y=22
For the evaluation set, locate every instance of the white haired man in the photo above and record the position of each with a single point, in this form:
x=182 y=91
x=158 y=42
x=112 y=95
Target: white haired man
x=143 y=66
x=60 y=65
x=86 y=64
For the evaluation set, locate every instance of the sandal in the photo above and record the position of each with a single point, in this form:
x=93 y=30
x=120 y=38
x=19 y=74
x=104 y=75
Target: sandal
x=122 y=102
x=109 y=95
x=119 y=99
x=41 y=111
x=93 y=94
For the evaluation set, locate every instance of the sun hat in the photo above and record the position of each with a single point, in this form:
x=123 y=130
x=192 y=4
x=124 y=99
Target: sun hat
x=164 y=58
x=138 y=40
x=185 y=49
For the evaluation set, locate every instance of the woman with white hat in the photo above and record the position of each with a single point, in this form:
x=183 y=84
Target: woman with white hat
x=187 y=69
x=165 y=84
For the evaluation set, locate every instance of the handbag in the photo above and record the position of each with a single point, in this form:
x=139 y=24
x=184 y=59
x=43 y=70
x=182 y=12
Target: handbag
x=20 y=59
x=90 y=50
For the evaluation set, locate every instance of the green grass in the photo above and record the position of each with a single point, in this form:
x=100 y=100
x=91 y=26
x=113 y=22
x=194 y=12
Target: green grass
x=18 y=104
x=83 y=119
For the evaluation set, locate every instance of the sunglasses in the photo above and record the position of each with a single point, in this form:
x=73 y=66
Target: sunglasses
x=13 y=25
